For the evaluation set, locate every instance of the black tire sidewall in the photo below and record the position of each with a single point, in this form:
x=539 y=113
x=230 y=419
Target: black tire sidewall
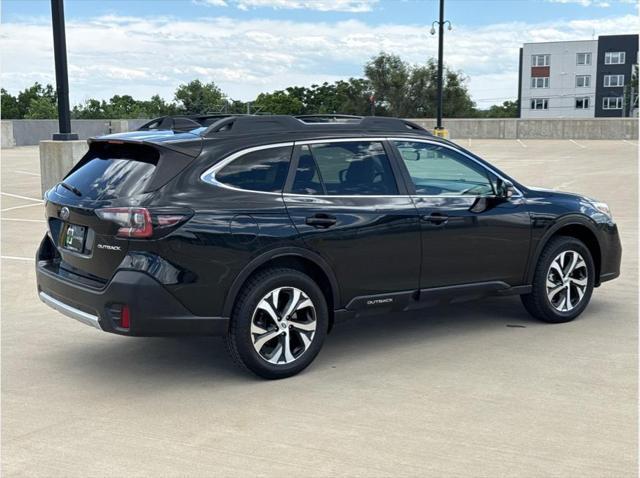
x=243 y=312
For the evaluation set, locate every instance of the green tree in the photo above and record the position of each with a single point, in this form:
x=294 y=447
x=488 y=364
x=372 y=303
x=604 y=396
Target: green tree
x=389 y=76
x=408 y=90
x=199 y=98
x=508 y=109
x=42 y=107
x=91 y=109
x=278 y=103
x=9 y=108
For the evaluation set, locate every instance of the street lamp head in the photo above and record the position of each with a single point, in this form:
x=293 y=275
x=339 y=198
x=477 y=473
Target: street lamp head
x=449 y=27
x=432 y=31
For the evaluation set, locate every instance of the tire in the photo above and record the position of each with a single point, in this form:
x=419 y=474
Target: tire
x=560 y=293
x=266 y=335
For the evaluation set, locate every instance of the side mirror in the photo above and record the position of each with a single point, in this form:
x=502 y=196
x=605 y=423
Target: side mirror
x=506 y=189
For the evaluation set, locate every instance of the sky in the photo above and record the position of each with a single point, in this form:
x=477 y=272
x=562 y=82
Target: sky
x=147 y=47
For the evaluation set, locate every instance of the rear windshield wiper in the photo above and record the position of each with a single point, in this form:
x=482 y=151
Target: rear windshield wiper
x=73 y=189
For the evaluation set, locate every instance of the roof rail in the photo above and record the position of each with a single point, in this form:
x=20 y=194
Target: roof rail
x=184 y=122
x=326 y=118
x=284 y=123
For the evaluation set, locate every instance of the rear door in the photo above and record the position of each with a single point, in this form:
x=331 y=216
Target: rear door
x=109 y=175
x=345 y=200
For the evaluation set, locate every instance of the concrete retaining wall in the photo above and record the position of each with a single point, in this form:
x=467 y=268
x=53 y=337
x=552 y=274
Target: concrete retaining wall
x=31 y=132
x=6 y=134
x=514 y=128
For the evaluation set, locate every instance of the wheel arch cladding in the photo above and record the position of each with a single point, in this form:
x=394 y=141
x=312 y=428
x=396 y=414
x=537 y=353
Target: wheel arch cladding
x=580 y=231
x=307 y=263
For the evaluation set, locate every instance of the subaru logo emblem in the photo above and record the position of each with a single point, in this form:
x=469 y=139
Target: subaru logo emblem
x=64 y=213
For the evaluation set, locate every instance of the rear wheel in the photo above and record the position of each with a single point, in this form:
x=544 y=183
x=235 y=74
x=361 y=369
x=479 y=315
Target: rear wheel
x=563 y=281
x=278 y=324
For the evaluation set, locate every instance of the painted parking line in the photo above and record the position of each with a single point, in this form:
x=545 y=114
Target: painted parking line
x=17 y=196
x=578 y=144
x=521 y=143
x=20 y=207
x=16 y=258
x=629 y=142
x=28 y=173
x=16 y=219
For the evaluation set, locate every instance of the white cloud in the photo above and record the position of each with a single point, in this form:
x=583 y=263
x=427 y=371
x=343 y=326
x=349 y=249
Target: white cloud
x=593 y=3
x=352 y=6
x=143 y=56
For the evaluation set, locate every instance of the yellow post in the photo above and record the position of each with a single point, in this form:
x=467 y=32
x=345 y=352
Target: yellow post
x=441 y=133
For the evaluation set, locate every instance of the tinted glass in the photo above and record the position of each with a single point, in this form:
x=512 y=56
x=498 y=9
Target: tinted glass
x=263 y=170
x=354 y=168
x=439 y=171
x=113 y=172
x=307 y=179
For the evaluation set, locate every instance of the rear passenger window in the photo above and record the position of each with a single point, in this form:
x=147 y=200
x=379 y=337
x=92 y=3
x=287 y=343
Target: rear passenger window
x=263 y=170
x=345 y=168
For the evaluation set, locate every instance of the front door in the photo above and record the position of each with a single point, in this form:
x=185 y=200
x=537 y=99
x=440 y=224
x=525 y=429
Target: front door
x=470 y=235
x=346 y=202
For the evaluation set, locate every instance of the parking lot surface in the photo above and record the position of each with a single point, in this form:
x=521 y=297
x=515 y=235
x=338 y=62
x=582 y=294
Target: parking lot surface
x=474 y=389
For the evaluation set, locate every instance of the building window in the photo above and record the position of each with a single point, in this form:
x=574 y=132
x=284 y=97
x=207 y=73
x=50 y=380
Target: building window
x=539 y=104
x=614 y=58
x=583 y=81
x=540 y=82
x=539 y=60
x=582 y=103
x=612 y=103
x=583 y=58
x=614 y=80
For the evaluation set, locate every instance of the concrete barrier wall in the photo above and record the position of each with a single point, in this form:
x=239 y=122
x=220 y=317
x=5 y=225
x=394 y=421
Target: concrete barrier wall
x=8 y=141
x=515 y=128
x=31 y=132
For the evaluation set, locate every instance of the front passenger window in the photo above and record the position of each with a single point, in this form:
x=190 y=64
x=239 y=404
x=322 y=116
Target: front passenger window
x=439 y=171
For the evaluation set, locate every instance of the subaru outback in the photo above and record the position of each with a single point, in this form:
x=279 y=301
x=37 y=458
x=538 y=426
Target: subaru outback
x=269 y=229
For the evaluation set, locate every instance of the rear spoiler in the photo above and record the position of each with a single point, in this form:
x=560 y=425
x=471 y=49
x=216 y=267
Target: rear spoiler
x=191 y=147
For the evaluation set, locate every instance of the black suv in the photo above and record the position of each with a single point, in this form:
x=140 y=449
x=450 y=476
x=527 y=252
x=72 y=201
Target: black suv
x=268 y=229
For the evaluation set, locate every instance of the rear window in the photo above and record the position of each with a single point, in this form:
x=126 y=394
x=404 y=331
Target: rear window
x=263 y=170
x=113 y=171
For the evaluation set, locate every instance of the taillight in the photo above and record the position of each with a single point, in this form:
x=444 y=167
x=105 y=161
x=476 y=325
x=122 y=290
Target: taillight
x=139 y=222
x=133 y=221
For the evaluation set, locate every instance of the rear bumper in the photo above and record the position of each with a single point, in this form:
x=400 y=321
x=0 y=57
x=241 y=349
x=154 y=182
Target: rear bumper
x=153 y=310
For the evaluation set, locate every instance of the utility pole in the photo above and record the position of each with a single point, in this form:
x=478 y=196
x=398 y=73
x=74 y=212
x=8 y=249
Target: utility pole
x=440 y=23
x=62 y=76
x=440 y=55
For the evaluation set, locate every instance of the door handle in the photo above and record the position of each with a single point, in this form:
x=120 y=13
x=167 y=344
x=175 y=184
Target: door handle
x=321 y=221
x=435 y=218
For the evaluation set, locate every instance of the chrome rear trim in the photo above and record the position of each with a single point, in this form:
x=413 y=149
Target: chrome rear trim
x=79 y=315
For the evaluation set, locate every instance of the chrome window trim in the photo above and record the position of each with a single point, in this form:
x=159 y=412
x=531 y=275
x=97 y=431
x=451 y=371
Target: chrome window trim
x=209 y=175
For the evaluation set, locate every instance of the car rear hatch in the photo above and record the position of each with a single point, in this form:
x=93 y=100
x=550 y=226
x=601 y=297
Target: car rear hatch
x=115 y=177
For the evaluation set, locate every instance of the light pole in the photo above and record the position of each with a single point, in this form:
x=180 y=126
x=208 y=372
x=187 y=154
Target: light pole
x=440 y=23
x=62 y=77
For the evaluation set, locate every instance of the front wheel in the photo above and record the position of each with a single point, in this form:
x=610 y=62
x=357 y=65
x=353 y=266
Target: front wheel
x=278 y=324
x=563 y=281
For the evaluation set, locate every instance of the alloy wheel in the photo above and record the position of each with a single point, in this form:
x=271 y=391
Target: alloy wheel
x=567 y=281
x=283 y=325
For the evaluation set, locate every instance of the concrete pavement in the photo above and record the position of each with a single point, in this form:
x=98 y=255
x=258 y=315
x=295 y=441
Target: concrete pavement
x=475 y=389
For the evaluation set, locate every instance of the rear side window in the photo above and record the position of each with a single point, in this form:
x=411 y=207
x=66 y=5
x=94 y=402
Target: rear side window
x=345 y=168
x=113 y=171
x=264 y=170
